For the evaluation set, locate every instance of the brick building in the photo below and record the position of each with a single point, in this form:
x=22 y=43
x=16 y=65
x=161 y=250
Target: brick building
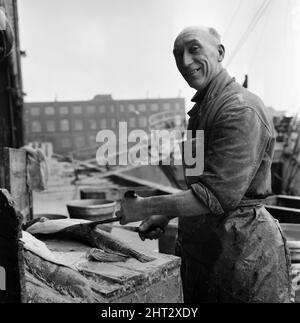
x=73 y=125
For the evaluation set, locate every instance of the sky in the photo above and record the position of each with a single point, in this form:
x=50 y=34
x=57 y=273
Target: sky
x=77 y=49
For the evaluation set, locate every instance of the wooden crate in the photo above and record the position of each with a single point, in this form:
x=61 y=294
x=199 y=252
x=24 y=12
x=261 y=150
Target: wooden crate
x=12 y=284
x=16 y=181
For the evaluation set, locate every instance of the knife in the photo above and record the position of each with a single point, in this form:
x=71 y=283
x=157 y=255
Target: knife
x=128 y=194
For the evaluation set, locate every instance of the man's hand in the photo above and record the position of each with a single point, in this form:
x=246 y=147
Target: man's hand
x=133 y=209
x=153 y=226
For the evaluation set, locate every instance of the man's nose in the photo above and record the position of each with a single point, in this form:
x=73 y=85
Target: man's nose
x=187 y=58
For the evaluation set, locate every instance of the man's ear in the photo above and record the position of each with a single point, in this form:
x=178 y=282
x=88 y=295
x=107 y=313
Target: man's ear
x=221 y=50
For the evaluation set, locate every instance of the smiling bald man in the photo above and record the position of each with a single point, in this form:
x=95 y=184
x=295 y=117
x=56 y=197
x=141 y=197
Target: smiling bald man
x=232 y=249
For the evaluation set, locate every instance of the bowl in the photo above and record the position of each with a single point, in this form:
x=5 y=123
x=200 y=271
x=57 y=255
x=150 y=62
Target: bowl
x=91 y=209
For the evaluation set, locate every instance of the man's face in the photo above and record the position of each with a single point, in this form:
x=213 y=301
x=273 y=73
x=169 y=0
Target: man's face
x=197 y=57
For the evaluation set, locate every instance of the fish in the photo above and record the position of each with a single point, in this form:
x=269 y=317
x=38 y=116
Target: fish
x=44 y=225
x=92 y=236
x=39 y=248
x=95 y=254
x=39 y=292
x=64 y=280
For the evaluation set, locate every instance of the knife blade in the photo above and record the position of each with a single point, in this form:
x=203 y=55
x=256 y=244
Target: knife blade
x=95 y=223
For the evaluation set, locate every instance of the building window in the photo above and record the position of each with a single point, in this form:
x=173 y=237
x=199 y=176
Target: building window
x=92 y=140
x=131 y=108
x=49 y=110
x=64 y=125
x=91 y=109
x=78 y=124
x=142 y=107
x=36 y=126
x=166 y=106
x=63 y=110
x=132 y=123
x=77 y=109
x=121 y=107
x=92 y=124
x=143 y=122
x=113 y=123
x=154 y=107
x=51 y=126
x=112 y=108
x=35 y=111
x=102 y=108
x=103 y=124
x=65 y=143
x=177 y=106
x=79 y=141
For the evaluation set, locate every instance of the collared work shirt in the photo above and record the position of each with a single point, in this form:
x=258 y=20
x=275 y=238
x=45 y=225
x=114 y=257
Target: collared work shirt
x=236 y=253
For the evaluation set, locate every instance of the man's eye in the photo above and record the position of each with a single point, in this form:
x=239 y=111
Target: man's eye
x=194 y=49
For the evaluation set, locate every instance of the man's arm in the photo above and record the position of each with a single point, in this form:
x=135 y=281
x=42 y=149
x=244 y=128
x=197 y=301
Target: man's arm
x=175 y=205
x=238 y=143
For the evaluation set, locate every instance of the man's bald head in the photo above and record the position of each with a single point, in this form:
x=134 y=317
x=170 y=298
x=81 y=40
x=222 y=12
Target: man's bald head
x=207 y=32
x=198 y=52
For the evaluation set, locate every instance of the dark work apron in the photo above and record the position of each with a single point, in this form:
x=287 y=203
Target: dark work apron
x=240 y=257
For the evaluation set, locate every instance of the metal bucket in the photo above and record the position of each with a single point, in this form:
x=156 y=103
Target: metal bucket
x=108 y=193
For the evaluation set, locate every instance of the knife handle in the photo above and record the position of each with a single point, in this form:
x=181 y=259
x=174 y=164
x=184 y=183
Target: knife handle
x=143 y=234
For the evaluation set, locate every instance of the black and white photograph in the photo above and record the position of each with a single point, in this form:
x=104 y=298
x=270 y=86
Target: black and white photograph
x=149 y=155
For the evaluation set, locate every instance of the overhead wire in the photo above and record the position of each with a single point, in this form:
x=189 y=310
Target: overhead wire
x=249 y=29
x=252 y=23
x=258 y=43
x=286 y=56
x=295 y=167
x=232 y=19
x=259 y=13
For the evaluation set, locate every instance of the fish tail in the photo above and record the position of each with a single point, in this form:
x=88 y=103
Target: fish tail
x=140 y=257
x=104 y=256
x=105 y=241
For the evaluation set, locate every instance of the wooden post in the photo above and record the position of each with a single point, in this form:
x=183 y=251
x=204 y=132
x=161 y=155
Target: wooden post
x=12 y=273
x=15 y=166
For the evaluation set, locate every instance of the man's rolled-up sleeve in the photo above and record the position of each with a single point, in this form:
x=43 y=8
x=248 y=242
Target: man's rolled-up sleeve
x=236 y=146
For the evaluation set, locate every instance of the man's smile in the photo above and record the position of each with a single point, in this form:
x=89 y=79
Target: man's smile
x=192 y=72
